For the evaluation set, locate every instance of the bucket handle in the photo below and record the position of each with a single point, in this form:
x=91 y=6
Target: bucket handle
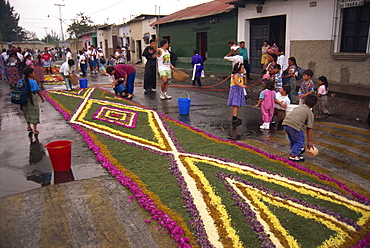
x=186 y=93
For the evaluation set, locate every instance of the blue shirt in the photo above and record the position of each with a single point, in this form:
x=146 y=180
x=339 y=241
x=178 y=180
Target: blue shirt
x=33 y=84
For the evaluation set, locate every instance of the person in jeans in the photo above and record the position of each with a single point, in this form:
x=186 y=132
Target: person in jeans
x=294 y=123
x=67 y=69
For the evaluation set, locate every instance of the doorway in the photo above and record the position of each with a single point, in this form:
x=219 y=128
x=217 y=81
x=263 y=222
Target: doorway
x=272 y=29
x=139 y=51
x=202 y=45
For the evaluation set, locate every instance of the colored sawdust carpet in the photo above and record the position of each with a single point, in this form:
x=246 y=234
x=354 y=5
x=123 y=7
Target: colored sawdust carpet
x=54 y=79
x=55 y=68
x=209 y=192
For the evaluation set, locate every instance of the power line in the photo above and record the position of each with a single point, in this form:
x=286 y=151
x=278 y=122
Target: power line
x=105 y=8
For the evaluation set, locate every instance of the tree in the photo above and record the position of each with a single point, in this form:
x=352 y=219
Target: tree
x=51 y=38
x=81 y=24
x=29 y=35
x=9 y=29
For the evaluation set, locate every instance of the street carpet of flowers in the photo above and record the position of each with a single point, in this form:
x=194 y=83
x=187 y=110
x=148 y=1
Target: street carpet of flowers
x=54 y=79
x=209 y=192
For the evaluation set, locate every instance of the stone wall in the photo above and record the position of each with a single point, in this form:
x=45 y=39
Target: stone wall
x=341 y=69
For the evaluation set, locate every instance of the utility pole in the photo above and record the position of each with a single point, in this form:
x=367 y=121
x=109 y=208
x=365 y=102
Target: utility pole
x=47 y=36
x=60 y=18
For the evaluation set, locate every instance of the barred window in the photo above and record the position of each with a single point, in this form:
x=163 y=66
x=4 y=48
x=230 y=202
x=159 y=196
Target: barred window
x=355 y=29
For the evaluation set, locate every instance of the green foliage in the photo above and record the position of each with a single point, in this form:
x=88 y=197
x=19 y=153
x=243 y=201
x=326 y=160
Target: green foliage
x=81 y=24
x=9 y=29
x=52 y=38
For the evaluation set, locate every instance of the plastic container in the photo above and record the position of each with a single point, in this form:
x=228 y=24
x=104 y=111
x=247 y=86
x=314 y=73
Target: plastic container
x=120 y=88
x=63 y=176
x=60 y=153
x=184 y=105
x=83 y=82
x=312 y=152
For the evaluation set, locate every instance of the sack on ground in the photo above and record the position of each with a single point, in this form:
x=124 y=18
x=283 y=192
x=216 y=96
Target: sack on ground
x=74 y=79
x=19 y=96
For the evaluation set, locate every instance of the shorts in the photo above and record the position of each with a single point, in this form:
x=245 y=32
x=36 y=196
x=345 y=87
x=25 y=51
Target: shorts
x=93 y=63
x=166 y=73
x=265 y=59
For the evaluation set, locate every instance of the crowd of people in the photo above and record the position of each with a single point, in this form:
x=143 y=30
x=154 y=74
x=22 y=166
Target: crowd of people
x=280 y=80
x=279 y=77
x=14 y=60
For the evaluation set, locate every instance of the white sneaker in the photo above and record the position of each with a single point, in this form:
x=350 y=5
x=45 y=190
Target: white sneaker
x=162 y=96
x=265 y=126
x=167 y=96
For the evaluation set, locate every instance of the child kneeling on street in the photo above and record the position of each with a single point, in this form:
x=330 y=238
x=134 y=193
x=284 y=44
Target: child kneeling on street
x=294 y=123
x=282 y=97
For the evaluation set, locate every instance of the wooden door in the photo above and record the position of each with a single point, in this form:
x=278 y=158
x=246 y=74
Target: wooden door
x=259 y=32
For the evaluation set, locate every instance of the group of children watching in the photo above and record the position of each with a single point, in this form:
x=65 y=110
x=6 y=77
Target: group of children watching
x=274 y=100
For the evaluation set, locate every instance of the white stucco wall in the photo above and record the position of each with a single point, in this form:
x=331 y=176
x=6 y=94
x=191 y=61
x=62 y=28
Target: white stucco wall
x=302 y=21
x=148 y=29
x=124 y=32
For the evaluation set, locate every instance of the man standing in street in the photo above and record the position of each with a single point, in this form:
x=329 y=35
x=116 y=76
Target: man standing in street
x=244 y=52
x=123 y=74
x=150 y=75
x=164 y=67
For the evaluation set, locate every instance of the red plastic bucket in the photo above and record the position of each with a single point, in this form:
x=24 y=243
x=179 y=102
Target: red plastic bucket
x=60 y=153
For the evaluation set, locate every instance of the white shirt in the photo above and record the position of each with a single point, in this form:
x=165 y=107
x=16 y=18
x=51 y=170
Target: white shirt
x=283 y=99
x=66 y=70
x=68 y=56
x=5 y=56
x=20 y=57
x=235 y=59
x=82 y=59
x=282 y=62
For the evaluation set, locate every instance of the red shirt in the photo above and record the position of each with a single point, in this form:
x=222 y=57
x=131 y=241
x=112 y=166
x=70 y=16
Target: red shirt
x=46 y=56
x=121 y=70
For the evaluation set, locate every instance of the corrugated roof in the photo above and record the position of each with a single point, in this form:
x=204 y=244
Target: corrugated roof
x=205 y=9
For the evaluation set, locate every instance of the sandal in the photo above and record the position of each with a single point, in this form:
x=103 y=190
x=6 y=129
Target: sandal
x=318 y=117
x=36 y=132
x=326 y=116
x=29 y=129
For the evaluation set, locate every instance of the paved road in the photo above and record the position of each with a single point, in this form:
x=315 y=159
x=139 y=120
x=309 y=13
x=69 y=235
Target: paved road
x=94 y=211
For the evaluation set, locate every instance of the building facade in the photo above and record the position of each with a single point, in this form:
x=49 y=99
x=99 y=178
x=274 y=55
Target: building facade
x=331 y=37
x=206 y=27
x=140 y=34
x=107 y=38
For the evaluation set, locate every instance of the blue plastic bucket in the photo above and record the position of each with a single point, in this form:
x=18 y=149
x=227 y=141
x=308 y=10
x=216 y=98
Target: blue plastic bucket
x=83 y=82
x=120 y=88
x=184 y=105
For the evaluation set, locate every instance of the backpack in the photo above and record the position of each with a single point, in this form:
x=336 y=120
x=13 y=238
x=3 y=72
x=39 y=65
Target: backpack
x=19 y=96
x=299 y=73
